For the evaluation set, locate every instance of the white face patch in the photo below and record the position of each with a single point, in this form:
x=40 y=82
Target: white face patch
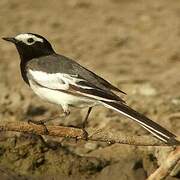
x=28 y=39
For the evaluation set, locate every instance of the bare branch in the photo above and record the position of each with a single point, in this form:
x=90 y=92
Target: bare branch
x=167 y=166
x=100 y=135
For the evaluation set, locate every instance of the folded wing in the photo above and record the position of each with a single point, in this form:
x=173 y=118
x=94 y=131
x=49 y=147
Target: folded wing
x=72 y=82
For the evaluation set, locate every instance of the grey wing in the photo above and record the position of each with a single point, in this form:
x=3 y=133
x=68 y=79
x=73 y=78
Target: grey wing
x=89 y=82
x=90 y=78
x=95 y=79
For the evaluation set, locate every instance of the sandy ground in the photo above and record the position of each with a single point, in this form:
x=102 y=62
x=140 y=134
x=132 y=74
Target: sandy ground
x=135 y=44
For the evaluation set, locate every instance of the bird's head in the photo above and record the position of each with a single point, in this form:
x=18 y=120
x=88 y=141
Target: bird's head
x=31 y=45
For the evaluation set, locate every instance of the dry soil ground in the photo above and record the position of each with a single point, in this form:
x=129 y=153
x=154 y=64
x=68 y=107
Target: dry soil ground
x=135 y=44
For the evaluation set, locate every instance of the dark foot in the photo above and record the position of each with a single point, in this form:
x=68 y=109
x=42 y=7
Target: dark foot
x=83 y=126
x=85 y=122
x=85 y=134
x=39 y=123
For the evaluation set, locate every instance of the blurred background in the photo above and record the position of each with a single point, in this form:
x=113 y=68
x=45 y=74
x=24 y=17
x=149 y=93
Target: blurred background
x=135 y=44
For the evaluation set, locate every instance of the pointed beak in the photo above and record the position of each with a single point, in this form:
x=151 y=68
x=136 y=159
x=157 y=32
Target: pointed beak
x=10 y=39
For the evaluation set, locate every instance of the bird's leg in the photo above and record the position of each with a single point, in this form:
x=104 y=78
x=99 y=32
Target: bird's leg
x=85 y=121
x=43 y=121
x=66 y=111
x=45 y=131
x=65 y=114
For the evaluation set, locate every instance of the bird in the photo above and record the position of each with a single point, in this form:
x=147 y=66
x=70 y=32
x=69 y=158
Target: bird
x=62 y=81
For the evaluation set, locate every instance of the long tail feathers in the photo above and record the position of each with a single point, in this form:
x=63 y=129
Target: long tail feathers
x=154 y=128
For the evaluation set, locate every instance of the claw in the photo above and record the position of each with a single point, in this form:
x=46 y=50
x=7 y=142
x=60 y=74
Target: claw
x=39 y=123
x=85 y=134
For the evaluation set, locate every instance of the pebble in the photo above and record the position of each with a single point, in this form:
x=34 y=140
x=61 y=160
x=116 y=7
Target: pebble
x=91 y=146
x=145 y=90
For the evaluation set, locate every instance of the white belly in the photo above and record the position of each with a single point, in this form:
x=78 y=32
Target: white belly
x=61 y=98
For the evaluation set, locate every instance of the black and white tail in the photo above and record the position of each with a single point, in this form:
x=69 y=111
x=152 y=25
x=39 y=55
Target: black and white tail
x=154 y=128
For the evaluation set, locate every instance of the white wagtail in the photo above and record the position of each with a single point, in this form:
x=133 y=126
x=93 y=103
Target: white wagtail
x=62 y=81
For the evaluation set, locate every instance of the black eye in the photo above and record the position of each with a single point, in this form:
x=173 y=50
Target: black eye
x=30 y=40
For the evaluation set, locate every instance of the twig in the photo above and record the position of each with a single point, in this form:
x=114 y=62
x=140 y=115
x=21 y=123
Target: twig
x=166 y=167
x=61 y=131
x=99 y=135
